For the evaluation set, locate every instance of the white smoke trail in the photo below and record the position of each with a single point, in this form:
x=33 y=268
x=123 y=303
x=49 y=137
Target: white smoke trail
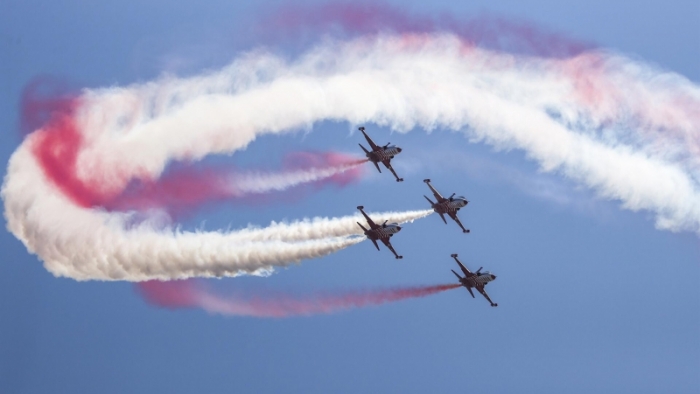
x=624 y=129
x=89 y=244
x=318 y=228
x=265 y=182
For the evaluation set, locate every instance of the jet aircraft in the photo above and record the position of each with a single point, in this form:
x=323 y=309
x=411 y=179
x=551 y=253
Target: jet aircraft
x=380 y=232
x=382 y=154
x=448 y=206
x=476 y=279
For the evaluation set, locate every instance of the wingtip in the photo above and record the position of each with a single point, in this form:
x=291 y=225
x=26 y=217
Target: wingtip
x=454 y=255
x=426 y=180
x=360 y=207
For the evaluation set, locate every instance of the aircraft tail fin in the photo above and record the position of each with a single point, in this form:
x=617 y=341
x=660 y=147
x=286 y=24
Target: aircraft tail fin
x=377 y=165
x=456 y=274
x=363 y=148
x=470 y=291
x=361 y=226
x=429 y=200
x=443 y=218
x=375 y=244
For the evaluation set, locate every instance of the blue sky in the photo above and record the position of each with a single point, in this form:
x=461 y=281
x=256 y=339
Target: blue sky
x=591 y=297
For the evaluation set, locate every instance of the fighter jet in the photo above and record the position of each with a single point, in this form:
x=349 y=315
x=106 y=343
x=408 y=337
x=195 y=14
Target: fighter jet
x=448 y=206
x=380 y=232
x=382 y=154
x=476 y=280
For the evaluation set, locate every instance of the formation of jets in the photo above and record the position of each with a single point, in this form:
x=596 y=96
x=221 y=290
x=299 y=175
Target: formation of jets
x=442 y=206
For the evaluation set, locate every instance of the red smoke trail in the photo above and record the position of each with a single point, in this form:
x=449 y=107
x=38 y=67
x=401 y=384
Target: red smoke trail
x=59 y=142
x=56 y=149
x=49 y=111
x=320 y=160
x=194 y=294
x=187 y=187
x=43 y=97
x=593 y=75
x=372 y=18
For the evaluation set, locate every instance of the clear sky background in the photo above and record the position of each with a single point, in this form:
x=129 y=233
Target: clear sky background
x=591 y=297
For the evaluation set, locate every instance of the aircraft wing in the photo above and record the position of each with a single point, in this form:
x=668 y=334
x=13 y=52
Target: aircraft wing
x=387 y=164
x=386 y=242
x=481 y=290
x=388 y=245
x=465 y=270
x=454 y=217
x=436 y=193
x=369 y=140
x=371 y=223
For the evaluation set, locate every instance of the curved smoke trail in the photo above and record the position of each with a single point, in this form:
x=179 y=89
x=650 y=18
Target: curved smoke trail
x=619 y=126
x=92 y=244
x=623 y=128
x=353 y=19
x=193 y=294
x=76 y=235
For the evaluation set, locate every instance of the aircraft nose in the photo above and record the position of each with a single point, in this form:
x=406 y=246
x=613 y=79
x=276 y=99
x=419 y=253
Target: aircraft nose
x=398 y=228
x=493 y=277
x=398 y=150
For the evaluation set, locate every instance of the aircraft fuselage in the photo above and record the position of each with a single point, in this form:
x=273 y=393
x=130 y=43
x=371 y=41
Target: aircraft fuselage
x=383 y=153
x=450 y=206
x=480 y=279
x=383 y=232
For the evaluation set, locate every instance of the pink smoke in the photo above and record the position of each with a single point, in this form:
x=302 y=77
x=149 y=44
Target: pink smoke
x=56 y=149
x=353 y=18
x=187 y=187
x=43 y=97
x=655 y=108
x=594 y=77
x=195 y=294
x=184 y=187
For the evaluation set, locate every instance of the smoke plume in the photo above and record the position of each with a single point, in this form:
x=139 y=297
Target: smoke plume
x=624 y=128
x=195 y=294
